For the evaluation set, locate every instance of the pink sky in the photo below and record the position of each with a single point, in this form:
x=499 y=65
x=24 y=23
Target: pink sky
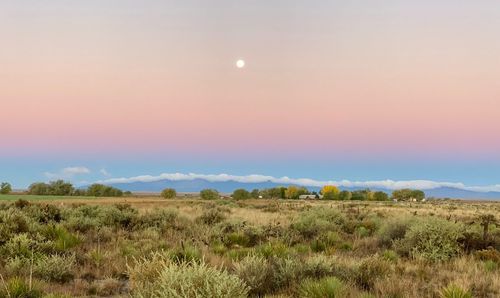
x=383 y=79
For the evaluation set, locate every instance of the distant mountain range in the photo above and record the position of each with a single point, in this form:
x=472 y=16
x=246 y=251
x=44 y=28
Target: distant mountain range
x=195 y=185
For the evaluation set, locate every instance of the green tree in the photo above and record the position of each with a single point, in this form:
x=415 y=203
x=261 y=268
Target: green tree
x=5 y=188
x=100 y=190
x=255 y=193
x=345 y=195
x=209 y=194
x=60 y=188
x=38 y=188
x=169 y=193
x=241 y=194
x=407 y=194
x=380 y=196
x=360 y=195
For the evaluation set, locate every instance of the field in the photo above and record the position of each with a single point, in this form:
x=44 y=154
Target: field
x=153 y=247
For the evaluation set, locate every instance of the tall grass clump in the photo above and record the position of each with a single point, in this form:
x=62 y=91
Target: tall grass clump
x=18 y=288
x=328 y=287
x=454 y=291
x=191 y=280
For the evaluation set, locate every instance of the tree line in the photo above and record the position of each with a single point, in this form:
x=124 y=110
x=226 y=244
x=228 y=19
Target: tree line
x=64 y=188
x=328 y=192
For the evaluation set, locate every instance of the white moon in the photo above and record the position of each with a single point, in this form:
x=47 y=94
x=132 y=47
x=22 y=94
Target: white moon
x=240 y=63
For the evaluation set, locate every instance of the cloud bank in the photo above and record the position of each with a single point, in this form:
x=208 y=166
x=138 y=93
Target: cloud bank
x=67 y=173
x=386 y=184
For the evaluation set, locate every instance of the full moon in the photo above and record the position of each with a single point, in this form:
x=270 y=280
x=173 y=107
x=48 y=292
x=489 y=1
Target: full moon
x=240 y=63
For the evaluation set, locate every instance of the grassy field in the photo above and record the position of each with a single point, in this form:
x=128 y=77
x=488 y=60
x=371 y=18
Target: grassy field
x=152 y=247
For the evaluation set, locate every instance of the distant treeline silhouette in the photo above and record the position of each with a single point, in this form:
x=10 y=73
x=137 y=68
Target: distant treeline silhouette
x=63 y=188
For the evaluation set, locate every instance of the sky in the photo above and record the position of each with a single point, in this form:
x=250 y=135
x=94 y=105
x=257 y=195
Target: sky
x=357 y=90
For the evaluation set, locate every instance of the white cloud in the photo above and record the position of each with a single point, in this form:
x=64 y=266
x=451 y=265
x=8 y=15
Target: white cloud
x=67 y=173
x=386 y=184
x=104 y=172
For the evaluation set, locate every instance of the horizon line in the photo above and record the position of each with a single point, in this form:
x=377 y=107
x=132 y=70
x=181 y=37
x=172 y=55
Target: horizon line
x=389 y=184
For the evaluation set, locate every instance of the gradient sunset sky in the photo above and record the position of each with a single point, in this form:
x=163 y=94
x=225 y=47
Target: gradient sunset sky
x=358 y=90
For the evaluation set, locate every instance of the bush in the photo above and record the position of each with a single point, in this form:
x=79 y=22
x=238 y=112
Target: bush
x=286 y=271
x=241 y=194
x=209 y=194
x=390 y=255
x=318 y=266
x=453 y=291
x=256 y=272
x=369 y=271
x=432 y=239
x=63 y=240
x=191 y=280
x=56 y=268
x=313 y=222
x=159 y=218
x=392 y=230
x=329 y=287
x=211 y=216
x=169 y=193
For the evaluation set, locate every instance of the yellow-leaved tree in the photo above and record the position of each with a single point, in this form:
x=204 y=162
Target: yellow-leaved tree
x=330 y=192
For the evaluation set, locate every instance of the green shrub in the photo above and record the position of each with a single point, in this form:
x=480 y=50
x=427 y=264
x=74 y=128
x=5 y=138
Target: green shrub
x=362 y=232
x=256 y=272
x=432 y=239
x=56 y=268
x=209 y=194
x=168 y=193
x=143 y=271
x=317 y=266
x=285 y=272
x=390 y=255
x=191 y=280
x=236 y=238
x=316 y=221
x=12 y=222
x=328 y=287
x=392 y=230
x=454 y=291
x=241 y=194
x=161 y=219
x=369 y=271
x=21 y=245
x=63 y=240
x=211 y=216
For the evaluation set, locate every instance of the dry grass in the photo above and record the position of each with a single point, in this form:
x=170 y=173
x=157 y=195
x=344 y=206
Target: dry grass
x=350 y=247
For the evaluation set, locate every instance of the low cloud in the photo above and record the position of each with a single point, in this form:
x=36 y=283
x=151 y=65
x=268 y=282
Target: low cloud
x=386 y=184
x=67 y=173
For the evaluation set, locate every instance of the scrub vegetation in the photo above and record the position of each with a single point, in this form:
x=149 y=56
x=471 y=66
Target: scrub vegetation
x=213 y=247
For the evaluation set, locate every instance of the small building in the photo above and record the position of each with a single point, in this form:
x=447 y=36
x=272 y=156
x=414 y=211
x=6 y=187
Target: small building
x=310 y=197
